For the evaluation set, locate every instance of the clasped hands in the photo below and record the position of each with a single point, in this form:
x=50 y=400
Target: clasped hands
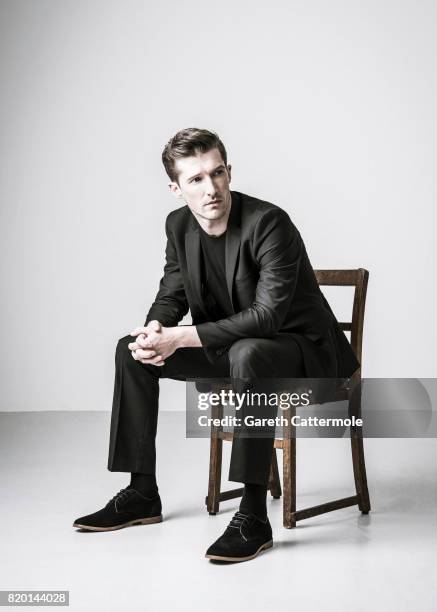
x=154 y=343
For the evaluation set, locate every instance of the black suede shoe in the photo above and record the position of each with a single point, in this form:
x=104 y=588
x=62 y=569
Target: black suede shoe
x=245 y=537
x=128 y=507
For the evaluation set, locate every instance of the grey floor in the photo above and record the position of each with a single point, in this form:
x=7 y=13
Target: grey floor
x=53 y=469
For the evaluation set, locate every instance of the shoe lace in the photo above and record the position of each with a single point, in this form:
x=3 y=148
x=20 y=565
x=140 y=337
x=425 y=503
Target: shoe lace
x=123 y=494
x=238 y=520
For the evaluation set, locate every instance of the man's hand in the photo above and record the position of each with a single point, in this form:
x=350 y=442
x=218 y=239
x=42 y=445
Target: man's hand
x=155 y=343
x=142 y=349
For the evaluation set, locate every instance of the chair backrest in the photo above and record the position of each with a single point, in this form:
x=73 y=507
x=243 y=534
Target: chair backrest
x=350 y=278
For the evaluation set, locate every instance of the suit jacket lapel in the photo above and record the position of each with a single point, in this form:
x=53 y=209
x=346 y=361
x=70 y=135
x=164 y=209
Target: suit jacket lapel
x=233 y=239
x=193 y=252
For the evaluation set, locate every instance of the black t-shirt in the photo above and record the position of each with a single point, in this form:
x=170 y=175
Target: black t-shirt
x=214 y=289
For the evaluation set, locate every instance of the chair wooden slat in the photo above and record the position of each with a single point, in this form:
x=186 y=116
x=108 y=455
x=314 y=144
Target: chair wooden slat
x=350 y=278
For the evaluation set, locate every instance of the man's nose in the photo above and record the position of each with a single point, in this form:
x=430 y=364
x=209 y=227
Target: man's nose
x=210 y=187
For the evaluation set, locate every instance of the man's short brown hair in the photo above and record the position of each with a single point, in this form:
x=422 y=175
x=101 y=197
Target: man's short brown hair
x=188 y=142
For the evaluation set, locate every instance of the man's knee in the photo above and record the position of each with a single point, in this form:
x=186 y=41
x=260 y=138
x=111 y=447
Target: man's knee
x=245 y=352
x=124 y=357
x=122 y=349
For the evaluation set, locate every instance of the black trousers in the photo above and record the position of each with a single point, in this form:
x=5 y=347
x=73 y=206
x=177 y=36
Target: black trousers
x=136 y=393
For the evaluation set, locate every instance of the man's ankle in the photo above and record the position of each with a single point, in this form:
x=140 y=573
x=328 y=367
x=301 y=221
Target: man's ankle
x=254 y=500
x=144 y=484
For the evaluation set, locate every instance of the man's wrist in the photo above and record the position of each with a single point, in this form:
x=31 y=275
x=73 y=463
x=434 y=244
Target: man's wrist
x=187 y=336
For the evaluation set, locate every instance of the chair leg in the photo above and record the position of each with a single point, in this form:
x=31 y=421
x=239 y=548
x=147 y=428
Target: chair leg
x=359 y=465
x=274 y=480
x=215 y=464
x=289 y=474
x=360 y=475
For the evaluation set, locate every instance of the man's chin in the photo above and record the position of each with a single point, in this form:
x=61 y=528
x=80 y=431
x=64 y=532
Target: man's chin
x=213 y=215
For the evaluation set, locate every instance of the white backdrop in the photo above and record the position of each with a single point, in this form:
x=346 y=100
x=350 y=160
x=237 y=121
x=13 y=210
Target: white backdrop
x=326 y=108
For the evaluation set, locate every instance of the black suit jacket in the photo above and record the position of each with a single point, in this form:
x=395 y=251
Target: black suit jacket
x=270 y=281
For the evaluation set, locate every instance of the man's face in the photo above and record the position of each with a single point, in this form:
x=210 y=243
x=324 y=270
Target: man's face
x=203 y=183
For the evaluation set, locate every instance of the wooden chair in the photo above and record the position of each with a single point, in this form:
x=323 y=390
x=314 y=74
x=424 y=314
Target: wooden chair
x=356 y=278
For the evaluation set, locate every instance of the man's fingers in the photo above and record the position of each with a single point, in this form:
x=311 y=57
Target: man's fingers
x=148 y=357
x=140 y=343
x=145 y=353
x=143 y=342
x=158 y=361
x=152 y=326
x=139 y=330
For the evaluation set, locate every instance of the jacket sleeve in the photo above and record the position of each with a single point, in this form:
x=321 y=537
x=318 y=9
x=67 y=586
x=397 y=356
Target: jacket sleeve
x=171 y=303
x=278 y=248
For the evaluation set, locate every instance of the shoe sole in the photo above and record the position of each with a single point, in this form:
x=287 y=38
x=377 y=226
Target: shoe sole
x=144 y=521
x=238 y=559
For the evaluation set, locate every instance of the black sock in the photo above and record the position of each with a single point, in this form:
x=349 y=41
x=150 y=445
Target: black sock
x=254 y=500
x=144 y=483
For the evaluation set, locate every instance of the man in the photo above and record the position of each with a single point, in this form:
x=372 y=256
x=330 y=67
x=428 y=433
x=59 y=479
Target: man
x=240 y=266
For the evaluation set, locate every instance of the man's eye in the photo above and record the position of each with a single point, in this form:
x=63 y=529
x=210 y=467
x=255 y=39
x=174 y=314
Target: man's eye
x=196 y=180
x=219 y=171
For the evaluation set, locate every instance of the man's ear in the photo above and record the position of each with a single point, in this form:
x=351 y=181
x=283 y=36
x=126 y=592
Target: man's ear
x=175 y=189
x=229 y=169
